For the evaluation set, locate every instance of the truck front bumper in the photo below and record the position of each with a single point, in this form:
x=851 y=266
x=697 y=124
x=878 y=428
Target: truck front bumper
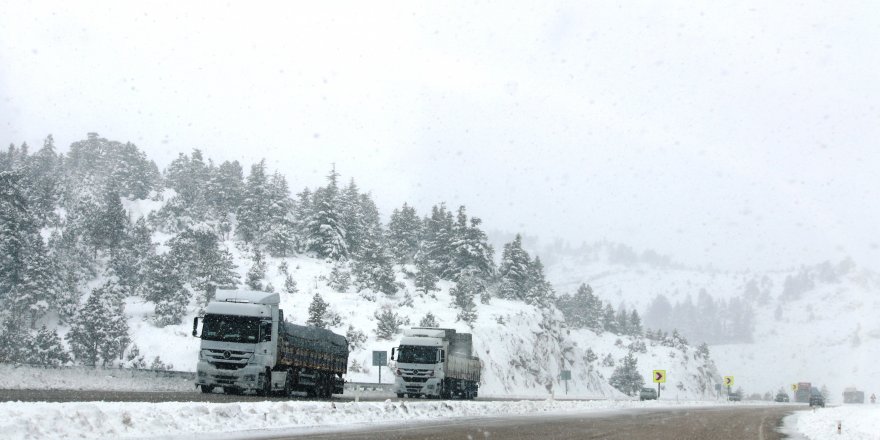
x=430 y=387
x=249 y=377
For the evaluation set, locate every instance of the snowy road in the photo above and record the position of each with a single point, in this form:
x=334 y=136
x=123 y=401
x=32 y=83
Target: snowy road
x=720 y=423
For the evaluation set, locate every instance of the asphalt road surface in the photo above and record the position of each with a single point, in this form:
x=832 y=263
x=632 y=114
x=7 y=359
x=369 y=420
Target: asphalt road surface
x=718 y=423
x=710 y=423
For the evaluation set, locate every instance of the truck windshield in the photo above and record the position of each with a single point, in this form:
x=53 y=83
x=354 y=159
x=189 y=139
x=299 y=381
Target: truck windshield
x=231 y=328
x=417 y=354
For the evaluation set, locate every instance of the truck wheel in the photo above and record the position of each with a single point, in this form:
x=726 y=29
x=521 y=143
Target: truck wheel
x=400 y=395
x=206 y=389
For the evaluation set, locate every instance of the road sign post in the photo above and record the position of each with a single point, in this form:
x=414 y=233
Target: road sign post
x=380 y=358
x=566 y=376
x=659 y=376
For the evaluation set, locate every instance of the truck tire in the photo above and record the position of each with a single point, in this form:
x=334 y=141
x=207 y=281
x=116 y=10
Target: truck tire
x=206 y=389
x=400 y=395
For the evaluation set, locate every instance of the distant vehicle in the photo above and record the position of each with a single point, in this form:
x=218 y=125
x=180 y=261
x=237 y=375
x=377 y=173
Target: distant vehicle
x=734 y=396
x=852 y=395
x=782 y=397
x=816 y=398
x=802 y=394
x=648 y=394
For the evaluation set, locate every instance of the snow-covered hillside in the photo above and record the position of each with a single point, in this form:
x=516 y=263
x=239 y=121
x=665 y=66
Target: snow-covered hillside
x=523 y=348
x=814 y=324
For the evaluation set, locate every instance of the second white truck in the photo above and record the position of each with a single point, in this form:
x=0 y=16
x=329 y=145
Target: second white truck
x=435 y=363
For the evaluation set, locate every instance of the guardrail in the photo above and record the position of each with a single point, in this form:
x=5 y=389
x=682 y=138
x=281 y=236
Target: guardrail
x=111 y=371
x=368 y=386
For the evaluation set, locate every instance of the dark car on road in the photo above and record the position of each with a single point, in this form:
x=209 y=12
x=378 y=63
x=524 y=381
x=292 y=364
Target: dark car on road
x=816 y=398
x=734 y=396
x=648 y=394
x=782 y=397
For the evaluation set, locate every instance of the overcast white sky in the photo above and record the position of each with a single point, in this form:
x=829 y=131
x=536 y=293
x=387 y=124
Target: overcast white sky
x=732 y=134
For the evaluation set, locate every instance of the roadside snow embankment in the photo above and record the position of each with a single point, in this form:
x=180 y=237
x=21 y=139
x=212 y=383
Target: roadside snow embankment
x=856 y=423
x=25 y=377
x=175 y=419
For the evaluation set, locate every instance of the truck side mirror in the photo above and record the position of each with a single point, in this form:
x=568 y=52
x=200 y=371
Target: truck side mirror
x=195 y=326
x=392 y=352
x=442 y=355
x=266 y=331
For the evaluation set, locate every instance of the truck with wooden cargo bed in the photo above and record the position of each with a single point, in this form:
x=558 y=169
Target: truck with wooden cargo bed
x=247 y=346
x=435 y=363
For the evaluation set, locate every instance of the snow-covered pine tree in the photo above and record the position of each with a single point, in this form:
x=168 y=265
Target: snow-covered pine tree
x=281 y=237
x=302 y=213
x=436 y=244
x=324 y=229
x=472 y=255
x=429 y=321
x=109 y=228
x=134 y=358
x=387 y=323
x=635 y=323
x=539 y=291
x=173 y=298
x=253 y=211
x=626 y=377
x=203 y=261
x=28 y=277
x=48 y=349
x=352 y=217
x=355 y=337
x=110 y=164
x=463 y=298
x=290 y=284
x=99 y=331
x=129 y=261
x=609 y=320
x=623 y=320
x=225 y=188
x=426 y=279
x=373 y=268
x=15 y=342
x=255 y=275
x=340 y=277
x=404 y=230
x=44 y=175
x=317 y=312
x=514 y=271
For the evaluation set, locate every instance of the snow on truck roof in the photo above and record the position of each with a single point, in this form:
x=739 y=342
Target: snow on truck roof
x=419 y=340
x=238 y=309
x=247 y=296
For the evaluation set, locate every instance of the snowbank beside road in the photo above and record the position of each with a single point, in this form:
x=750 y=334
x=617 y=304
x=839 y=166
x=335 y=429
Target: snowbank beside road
x=860 y=422
x=176 y=419
x=23 y=377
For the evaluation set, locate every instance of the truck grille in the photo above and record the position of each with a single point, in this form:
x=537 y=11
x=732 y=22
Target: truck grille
x=411 y=373
x=227 y=359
